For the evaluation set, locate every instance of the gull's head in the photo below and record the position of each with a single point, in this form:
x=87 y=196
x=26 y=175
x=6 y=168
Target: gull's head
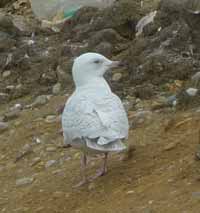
x=90 y=66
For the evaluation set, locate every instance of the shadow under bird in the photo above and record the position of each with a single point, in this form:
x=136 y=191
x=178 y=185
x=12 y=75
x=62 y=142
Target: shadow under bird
x=94 y=119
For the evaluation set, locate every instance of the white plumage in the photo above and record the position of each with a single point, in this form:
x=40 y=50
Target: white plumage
x=94 y=119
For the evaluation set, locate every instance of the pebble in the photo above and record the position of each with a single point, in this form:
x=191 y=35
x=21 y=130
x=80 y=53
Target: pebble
x=192 y=91
x=6 y=74
x=51 y=119
x=91 y=186
x=56 y=89
x=130 y=192
x=58 y=194
x=140 y=117
x=35 y=161
x=16 y=107
x=170 y=146
x=171 y=100
x=147 y=210
x=50 y=163
x=24 y=181
x=3 y=126
x=116 y=77
x=196 y=195
x=39 y=101
x=12 y=114
x=196 y=77
x=51 y=149
x=2 y=118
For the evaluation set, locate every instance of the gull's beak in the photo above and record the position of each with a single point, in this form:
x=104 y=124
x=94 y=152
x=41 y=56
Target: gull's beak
x=116 y=64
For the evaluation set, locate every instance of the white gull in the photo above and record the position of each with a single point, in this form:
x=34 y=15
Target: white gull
x=94 y=119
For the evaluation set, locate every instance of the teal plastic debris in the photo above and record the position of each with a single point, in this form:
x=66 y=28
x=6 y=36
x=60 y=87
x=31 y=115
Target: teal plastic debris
x=70 y=13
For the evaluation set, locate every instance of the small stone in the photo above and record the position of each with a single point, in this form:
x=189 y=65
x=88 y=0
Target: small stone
x=140 y=117
x=130 y=192
x=171 y=100
x=50 y=163
x=170 y=146
x=192 y=91
x=16 y=107
x=24 y=181
x=58 y=194
x=77 y=155
x=3 y=126
x=117 y=77
x=51 y=149
x=56 y=89
x=39 y=101
x=197 y=153
x=10 y=87
x=196 y=195
x=6 y=74
x=12 y=114
x=91 y=186
x=150 y=202
x=147 y=210
x=2 y=118
x=196 y=77
x=51 y=119
x=35 y=161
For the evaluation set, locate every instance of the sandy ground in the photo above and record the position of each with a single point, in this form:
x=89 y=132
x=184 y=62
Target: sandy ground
x=162 y=176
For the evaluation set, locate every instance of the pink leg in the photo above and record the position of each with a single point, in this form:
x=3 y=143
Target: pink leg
x=103 y=170
x=83 y=174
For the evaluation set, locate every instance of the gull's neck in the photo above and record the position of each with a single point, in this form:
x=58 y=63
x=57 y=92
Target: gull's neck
x=97 y=82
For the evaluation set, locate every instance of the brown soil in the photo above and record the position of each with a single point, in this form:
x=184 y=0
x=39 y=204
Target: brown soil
x=162 y=176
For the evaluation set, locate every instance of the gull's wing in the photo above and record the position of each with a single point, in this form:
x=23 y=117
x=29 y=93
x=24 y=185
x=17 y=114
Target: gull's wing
x=94 y=115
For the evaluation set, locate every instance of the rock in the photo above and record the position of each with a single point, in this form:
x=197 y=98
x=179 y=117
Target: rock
x=144 y=22
x=6 y=74
x=51 y=149
x=6 y=25
x=12 y=114
x=140 y=117
x=16 y=107
x=56 y=89
x=171 y=100
x=35 y=161
x=39 y=101
x=24 y=181
x=3 y=126
x=130 y=192
x=170 y=146
x=6 y=42
x=52 y=119
x=58 y=194
x=145 y=91
x=197 y=153
x=192 y=91
x=20 y=23
x=4 y=98
x=2 y=118
x=105 y=35
x=116 y=77
x=26 y=150
x=63 y=73
x=50 y=163
x=104 y=48
x=91 y=186
x=4 y=2
x=129 y=103
x=148 y=210
x=196 y=78
x=196 y=195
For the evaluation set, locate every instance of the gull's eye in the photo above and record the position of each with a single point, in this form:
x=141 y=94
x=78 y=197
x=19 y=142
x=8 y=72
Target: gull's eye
x=97 y=61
